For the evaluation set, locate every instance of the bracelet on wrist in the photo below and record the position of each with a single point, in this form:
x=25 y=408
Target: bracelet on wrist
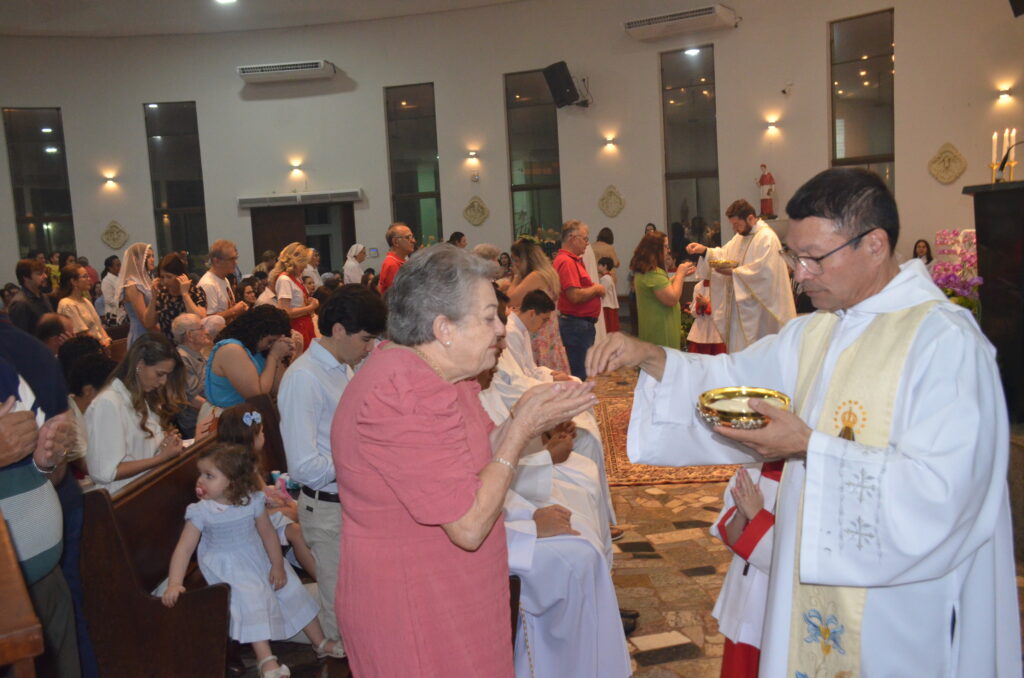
x=505 y=462
x=44 y=470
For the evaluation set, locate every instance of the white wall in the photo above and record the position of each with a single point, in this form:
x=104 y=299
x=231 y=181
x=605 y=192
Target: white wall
x=950 y=56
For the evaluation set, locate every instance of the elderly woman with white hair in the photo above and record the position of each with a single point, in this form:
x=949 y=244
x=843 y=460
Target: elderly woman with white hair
x=422 y=475
x=353 y=270
x=193 y=341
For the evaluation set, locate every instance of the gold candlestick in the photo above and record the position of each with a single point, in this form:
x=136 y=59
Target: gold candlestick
x=994 y=166
x=1010 y=165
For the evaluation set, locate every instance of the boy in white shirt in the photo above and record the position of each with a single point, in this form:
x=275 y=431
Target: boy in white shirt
x=610 y=300
x=535 y=310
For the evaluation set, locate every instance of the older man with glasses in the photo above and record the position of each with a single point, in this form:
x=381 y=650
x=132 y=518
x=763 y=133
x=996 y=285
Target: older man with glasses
x=220 y=297
x=402 y=243
x=893 y=552
x=750 y=289
x=580 y=301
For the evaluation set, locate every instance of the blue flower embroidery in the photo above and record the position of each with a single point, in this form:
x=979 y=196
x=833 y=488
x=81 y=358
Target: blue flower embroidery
x=827 y=632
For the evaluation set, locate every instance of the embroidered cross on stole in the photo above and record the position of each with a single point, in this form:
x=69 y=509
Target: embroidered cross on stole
x=825 y=622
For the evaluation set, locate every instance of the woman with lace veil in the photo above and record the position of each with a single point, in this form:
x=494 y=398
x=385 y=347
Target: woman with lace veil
x=136 y=288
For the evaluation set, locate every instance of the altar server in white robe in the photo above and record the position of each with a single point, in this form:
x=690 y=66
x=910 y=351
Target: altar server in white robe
x=746 y=524
x=754 y=299
x=510 y=382
x=570 y=626
x=894 y=494
x=533 y=313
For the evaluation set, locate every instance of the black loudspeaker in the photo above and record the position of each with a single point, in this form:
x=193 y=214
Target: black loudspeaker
x=563 y=91
x=1017 y=6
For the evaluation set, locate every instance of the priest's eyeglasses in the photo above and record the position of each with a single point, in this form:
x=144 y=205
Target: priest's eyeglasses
x=812 y=265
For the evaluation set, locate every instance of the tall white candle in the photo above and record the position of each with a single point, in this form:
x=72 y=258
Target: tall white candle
x=995 y=147
x=1006 y=142
x=1013 y=140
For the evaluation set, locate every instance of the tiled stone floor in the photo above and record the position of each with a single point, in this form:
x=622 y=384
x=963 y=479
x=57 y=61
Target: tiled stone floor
x=670 y=569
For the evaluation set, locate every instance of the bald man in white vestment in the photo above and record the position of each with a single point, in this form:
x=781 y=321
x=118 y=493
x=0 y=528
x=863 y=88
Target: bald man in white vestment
x=893 y=551
x=751 y=297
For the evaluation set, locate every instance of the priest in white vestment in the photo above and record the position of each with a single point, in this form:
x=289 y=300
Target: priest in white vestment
x=893 y=551
x=751 y=295
x=569 y=625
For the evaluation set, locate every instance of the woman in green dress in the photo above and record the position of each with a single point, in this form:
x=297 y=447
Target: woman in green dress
x=657 y=295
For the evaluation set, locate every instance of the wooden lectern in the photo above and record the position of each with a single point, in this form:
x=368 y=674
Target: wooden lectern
x=999 y=221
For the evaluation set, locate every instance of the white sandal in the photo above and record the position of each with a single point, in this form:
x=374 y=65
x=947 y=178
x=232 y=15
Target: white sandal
x=280 y=672
x=337 y=652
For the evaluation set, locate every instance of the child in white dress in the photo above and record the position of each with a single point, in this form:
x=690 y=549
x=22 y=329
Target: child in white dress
x=242 y=425
x=238 y=546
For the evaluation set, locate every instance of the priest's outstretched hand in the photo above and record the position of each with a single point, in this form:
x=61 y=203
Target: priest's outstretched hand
x=618 y=350
x=785 y=436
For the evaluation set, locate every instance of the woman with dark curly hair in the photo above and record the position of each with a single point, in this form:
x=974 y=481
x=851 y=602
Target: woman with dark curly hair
x=130 y=421
x=246 y=360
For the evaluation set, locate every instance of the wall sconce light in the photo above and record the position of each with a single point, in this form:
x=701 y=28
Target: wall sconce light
x=1005 y=94
x=609 y=141
x=110 y=179
x=773 y=124
x=473 y=155
x=473 y=161
x=296 y=165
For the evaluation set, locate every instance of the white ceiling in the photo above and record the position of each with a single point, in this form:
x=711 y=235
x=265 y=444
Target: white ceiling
x=105 y=18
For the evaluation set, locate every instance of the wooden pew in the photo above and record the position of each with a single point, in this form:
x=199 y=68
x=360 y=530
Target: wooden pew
x=21 y=635
x=127 y=542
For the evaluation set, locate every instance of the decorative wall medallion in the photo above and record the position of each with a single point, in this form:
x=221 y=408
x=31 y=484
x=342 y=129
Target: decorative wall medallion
x=947 y=165
x=611 y=202
x=476 y=211
x=114 y=237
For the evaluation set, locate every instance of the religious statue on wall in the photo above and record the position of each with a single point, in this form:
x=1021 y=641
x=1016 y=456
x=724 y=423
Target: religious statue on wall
x=766 y=183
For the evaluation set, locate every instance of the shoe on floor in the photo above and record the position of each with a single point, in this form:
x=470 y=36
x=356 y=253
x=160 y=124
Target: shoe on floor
x=617 y=532
x=628 y=626
x=628 y=614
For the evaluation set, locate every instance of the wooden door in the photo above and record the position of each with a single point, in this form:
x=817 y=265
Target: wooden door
x=275 y=227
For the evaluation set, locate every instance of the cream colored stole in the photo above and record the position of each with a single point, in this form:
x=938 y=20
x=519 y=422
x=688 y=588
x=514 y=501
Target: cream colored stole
x=825 y=626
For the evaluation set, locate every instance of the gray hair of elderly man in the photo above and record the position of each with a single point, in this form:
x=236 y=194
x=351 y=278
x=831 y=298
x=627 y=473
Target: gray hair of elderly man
x=183 y=324
x=487 y=251
x=435 y=281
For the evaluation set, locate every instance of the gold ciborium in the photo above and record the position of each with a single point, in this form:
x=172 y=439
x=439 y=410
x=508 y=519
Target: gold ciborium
x=728 y=406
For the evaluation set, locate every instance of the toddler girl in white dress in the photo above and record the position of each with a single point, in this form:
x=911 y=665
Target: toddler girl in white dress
x=238 y=546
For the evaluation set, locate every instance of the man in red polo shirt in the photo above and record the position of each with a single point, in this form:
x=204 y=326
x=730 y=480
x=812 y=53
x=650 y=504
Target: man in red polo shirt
x=580 y=300
x=402 y=243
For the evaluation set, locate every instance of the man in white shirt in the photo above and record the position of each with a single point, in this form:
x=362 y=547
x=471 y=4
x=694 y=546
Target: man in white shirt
x=220 y=298
x=313 y=269
x=750 y=290
x=349 y=322
x=534 y=311
x=893 y=510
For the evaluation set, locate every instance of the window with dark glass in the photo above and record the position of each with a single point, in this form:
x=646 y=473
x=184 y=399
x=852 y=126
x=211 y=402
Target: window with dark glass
x=176 y=173
x=691 y=147
x=863 y=69
x=39 y=180
x=533 y=157
x=413 y=159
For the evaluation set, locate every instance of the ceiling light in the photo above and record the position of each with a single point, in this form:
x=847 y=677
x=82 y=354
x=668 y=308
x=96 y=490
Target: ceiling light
x=692 y=52
x=51 y=149
x=863 y=73
x=866 y=83
x=671 y=101
x=864 y=57
x=152 y=105
x=47 y=130
x=225 y=2
x=835 y=82
x=839 y=92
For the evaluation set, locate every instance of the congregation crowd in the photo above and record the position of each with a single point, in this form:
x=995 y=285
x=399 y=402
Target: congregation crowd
x=438 y=420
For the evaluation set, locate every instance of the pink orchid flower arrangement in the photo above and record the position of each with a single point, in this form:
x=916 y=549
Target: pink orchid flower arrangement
x=956 y=268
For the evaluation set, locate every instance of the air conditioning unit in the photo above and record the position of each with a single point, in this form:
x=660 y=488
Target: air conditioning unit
x=678 y=23
x=295 y=70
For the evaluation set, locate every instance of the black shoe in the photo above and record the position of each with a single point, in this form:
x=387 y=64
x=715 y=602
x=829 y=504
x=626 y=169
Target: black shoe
x=628 y=614
x=628 y=626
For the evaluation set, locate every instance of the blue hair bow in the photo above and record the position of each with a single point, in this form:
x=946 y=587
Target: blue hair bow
x=250 y=418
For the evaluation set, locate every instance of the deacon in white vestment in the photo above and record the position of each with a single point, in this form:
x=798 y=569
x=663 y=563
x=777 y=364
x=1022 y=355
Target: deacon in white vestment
x=916 y=528
x=570 y=625
x=754 y=298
